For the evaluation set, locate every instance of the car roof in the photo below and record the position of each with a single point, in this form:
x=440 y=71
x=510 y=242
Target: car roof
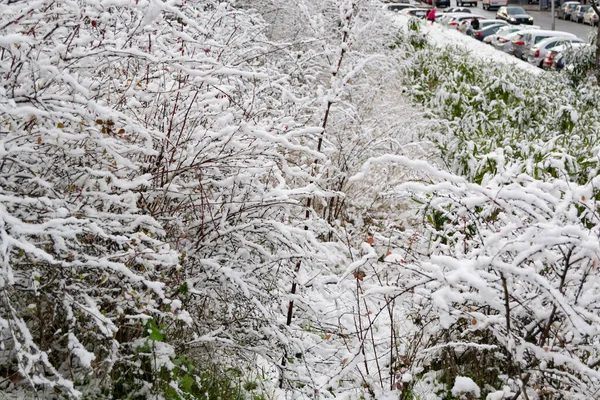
x=469 y=16
x=563 y=47
x=490 y=27
x=539 y=32
x=550 y=39
x=458 y=14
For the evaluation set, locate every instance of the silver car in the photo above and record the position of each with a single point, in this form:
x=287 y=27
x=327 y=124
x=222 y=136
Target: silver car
x=531 y=38
x=538 y=52
x=503 y=42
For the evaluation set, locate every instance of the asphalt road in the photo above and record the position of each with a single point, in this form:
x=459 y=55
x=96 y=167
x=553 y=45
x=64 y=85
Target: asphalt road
x=544 y=20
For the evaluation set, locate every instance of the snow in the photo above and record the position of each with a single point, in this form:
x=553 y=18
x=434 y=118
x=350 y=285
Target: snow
x=497 y=395
x=85 y=357
x=464 y=385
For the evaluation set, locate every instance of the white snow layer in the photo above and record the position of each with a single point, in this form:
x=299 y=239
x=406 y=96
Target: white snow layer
x=464 y=385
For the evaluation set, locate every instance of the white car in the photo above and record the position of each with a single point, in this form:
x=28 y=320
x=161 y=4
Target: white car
x=467 y=27
x=445 y=18
x=559 y=51
x=503 y=38
x=538 y=52
x=590 y=17
x=531 y=38
x=454 y=22
x=415 y=12
x=493 y=39
x=456 y=10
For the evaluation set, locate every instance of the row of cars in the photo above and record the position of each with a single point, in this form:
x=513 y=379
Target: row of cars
x=518 y=36
x=576 y=12
x=512 y=31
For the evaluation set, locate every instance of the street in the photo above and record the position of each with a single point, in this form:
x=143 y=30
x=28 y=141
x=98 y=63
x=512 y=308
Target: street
x=544 y=20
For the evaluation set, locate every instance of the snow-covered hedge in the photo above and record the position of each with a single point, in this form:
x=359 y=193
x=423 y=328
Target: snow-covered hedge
x=499 y=282
x=497 y=113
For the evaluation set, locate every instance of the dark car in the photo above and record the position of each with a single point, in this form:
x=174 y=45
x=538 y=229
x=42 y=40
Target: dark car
x=514 y=15
x=461 y=3
x=577 y=14
x=566 y=9
x=486 y=31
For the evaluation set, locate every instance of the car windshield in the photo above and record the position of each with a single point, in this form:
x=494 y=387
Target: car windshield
x=571 y=6
x=515 y=10
x=507 y=30
x=540 y=38
x=493 y=28
x=585 y=8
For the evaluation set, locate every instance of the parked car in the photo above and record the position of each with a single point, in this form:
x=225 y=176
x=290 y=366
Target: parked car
x=415 y=12
x=461 y=3
x=446 y=18
x=495 y=4
x=514 y=15
x=456 y=9
x=506 y=30
x=567 y=56
x=590 y=17
x=550 y=58
x=504 y=41
x=485 y=32
x=554 y=55
x=566 y=9
x=466 y=26
x=455 y=21
x=577 y=14
x=522 y=43
x=398 y=6
x=483 y=23
x=537 y=53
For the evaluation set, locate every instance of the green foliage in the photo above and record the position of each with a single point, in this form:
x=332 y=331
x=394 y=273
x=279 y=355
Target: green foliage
x=153 y=331
x=496 y=116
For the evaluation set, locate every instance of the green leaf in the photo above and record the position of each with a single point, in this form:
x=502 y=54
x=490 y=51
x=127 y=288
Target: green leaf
x=183 y=289
x=187 y=382
x=154 y=331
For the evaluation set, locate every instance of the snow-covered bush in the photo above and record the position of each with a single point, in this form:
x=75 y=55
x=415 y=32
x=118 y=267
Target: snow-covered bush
x=151 y=165
x=498 y=283
x=160 y=192
x=81 y=262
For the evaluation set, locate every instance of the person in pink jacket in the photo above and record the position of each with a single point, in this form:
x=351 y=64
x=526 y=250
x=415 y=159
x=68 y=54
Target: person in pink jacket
x=431 y=15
